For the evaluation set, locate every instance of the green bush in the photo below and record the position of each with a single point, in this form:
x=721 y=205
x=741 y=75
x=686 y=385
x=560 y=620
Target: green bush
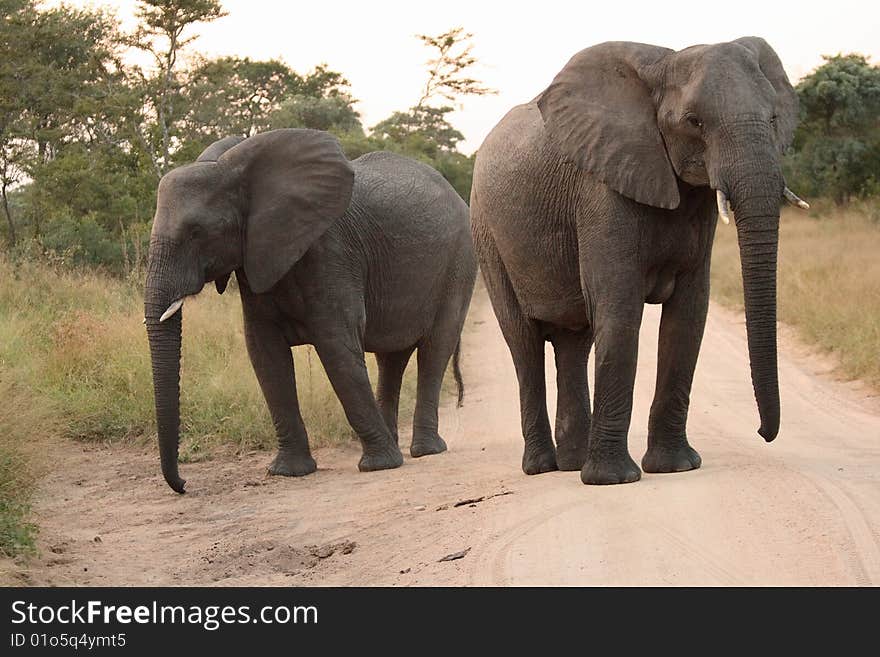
x=836 y=149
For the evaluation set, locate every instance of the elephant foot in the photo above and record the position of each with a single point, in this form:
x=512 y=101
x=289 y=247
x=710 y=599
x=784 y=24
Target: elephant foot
x=288 y=465
x=671 y=458
x=423 y=445
x=538 y=459
x=386 y=457
x=606 y=469
x=570 y=458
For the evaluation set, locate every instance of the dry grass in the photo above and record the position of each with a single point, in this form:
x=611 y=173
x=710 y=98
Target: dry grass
x=25 y=431
x=829 y=282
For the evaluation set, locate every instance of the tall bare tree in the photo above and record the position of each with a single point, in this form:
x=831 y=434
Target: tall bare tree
x=161 y=34
x=446 y=72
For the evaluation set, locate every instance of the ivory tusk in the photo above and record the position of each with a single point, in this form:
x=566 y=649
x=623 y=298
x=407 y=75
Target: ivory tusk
x=173 y=308
x=724 y=210
x=794 y=199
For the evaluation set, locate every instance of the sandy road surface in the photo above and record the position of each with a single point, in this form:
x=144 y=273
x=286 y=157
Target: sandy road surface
x=802 y=510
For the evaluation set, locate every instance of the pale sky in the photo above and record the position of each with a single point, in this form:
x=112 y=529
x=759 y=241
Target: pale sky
x=520 y=46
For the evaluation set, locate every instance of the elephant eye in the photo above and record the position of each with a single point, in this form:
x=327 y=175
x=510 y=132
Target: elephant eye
x=773 y=119
x=695 y=121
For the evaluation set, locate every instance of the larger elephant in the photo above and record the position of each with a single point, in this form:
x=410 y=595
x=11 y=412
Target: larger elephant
x=370 y=255
x=602 y=194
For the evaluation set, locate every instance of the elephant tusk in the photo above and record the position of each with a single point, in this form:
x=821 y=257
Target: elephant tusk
x=795 y=200
x=724 y=210
x=173 y=308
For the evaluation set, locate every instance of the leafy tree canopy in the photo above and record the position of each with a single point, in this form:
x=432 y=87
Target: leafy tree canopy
x=836 y=150
x=842 y=94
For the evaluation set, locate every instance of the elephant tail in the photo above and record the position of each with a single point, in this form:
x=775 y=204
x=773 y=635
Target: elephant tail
x=456 y=372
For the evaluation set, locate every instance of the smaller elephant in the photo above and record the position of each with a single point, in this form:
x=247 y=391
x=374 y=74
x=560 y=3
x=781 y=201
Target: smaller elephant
x=369 y=255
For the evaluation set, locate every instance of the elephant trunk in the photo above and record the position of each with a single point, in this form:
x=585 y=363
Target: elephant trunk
x=755 y=185
x=165 y=340
x=758 y=235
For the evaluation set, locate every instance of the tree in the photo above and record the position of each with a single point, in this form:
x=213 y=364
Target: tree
x=161 y=33
x=425 y=124
x=10 y=174
x=424 y=131
x=322 y=83
x=232 y=96
x=16 y=17
x=334 y=114
x=56 y=68
x=446 y=71
x=840 y=96
x=836 y=150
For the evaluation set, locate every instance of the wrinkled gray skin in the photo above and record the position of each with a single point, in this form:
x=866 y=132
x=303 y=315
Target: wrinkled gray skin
x=598 y=197
x=370 y=255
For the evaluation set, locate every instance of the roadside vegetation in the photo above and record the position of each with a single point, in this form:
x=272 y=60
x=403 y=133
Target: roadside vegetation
x=20 y=419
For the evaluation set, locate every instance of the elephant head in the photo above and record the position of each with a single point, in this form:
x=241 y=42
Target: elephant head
x=645 y=120
x=256 y=204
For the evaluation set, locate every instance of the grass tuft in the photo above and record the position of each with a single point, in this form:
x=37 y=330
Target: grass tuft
x=25 y=430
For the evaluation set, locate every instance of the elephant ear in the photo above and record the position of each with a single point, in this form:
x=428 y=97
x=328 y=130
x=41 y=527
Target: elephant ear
x=786 y=97
x=213 y=152
x=599 y=113
x=294 y=183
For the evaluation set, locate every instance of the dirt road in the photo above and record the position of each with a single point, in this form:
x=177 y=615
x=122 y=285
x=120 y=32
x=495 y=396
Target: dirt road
x=802 y=510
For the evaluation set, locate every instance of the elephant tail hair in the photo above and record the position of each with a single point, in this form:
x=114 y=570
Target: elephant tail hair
x=456 y=372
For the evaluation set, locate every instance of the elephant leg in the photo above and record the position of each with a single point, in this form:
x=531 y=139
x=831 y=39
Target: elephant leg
x=273 y=364
x=434 y=352
x=681 y=332
x=391 y=368
x=617 y=346
x=526 y=344
x=343 y=360
x=572 y=428
x=433 y=357
x=527 y=350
